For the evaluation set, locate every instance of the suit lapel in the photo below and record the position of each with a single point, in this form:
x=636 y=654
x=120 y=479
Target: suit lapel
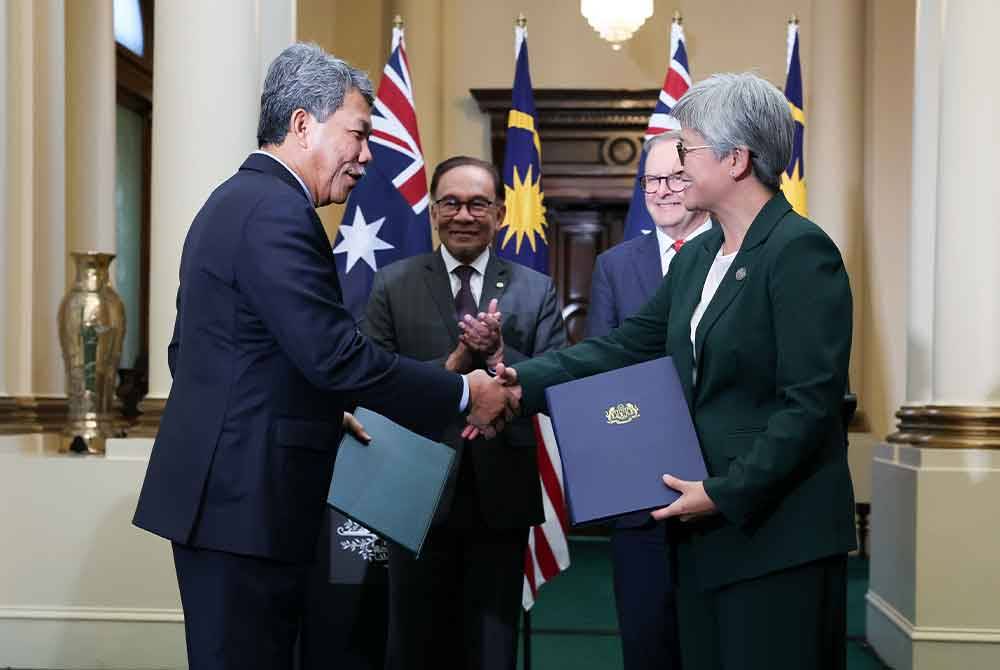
x=689 y=297
x=741 y=269
x=646 y=260
x=439 y=286
x=495 y=282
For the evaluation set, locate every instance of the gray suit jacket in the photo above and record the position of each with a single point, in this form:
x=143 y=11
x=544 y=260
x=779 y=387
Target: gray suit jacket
x=411 y=311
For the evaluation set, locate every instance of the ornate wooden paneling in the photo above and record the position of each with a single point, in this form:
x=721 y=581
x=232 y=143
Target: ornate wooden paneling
x=591 y=143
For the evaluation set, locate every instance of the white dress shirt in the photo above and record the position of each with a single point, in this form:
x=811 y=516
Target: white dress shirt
x=720 y=266
x=475 y=281
x=667 y=251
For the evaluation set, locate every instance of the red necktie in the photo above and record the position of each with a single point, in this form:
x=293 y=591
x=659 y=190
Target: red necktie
x=677 y=245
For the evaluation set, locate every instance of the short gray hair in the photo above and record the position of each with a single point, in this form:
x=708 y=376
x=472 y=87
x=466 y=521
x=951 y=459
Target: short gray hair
x=670 y=136
x=734 y=110
x=304 y=76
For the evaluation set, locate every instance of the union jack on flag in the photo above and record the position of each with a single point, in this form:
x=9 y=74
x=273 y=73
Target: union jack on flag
x=675 y=84
x=386 y=216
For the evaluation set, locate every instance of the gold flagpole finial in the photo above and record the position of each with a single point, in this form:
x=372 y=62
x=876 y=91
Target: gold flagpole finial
x=793 y=20
x=677 y=17
x=522 y=21
x=397 y=22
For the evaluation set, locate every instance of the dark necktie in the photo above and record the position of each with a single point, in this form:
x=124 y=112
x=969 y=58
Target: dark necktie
x=465 y=302
x=677 y=245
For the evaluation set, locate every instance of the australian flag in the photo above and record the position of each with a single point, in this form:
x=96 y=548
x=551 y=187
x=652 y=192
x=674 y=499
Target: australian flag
x=386 y=217
x=521 y=237
x=675 y=84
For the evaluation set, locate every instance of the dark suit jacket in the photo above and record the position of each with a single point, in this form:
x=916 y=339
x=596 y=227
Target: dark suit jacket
x=412 y=311
x=773 y=350
x=264 y=359
x=625 y=277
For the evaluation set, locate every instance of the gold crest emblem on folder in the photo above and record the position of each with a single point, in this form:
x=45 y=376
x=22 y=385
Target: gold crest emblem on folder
x=623 y=412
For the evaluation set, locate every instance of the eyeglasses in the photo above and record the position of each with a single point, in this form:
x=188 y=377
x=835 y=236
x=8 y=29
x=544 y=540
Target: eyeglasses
x=449 y=207
x=676 y=182
x=683 y=151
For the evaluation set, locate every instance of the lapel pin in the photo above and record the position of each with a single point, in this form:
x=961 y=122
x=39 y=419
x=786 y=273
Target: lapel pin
x=741 y=274
x=499 y=284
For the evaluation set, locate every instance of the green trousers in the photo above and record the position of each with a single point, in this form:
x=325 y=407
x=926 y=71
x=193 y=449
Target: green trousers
x=795 y=619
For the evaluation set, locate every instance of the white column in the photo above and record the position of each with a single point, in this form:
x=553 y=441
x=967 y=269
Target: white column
x=924 y=200
x=967 y=268
x=205 y=107
x=933 y=593
x=276 y=21
x=34 y=211
x=4 y=193
x=90 y=126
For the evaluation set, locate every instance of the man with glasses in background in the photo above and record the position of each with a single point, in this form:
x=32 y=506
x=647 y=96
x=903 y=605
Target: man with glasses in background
x=625 y=277
x=462 y=306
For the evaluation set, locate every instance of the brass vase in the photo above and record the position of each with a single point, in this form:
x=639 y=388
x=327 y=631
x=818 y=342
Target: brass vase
x=91 y=331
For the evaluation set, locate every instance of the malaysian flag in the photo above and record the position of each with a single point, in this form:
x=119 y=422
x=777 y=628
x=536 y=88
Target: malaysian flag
x=386 y=216
x=793 y=179
x=675 y=84
x=522 y=239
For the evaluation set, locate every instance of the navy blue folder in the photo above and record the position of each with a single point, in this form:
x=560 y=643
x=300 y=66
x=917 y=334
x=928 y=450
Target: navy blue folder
x=619 y=432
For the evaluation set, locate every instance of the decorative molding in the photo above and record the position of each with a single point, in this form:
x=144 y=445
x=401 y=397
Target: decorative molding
x=144 y=615
x=948 y=427
x=27 y=414
x=930 y=633
x=148 y=422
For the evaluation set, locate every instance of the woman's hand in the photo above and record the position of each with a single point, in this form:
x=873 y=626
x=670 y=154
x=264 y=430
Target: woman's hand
x=354 y=427
x=693 y=503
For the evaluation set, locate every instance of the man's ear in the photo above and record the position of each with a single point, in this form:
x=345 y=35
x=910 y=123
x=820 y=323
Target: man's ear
x=501 y=213
x=298 y=127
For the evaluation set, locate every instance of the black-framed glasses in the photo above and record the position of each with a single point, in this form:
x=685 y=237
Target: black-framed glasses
x=683 y=151
x=449 y=207
x=676 y=182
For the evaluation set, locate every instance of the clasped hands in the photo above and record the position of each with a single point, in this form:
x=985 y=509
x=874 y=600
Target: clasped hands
x=480 y=345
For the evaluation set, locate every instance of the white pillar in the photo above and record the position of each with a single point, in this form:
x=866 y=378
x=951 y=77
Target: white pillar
x=205 y=106
x=34 y=208
x=933 y=593
x=4 y=194
x=90 y=126
x=967 y=268
x=276 y=21
x=924 y=199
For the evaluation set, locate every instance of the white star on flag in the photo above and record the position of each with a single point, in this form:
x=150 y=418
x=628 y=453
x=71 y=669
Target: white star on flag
x=361 y=241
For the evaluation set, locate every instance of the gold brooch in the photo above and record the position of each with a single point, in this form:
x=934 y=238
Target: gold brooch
x=622 y=413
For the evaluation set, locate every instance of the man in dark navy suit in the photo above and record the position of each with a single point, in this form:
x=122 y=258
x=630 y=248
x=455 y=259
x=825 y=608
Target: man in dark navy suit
x=625 y=278
x=265 y=360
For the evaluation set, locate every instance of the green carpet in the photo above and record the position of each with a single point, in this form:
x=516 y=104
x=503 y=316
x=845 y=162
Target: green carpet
x=574 y=626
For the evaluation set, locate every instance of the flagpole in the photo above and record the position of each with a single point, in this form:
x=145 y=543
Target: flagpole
x=520 y=31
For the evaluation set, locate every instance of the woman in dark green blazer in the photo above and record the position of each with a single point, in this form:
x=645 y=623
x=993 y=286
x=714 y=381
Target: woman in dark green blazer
x=757 y=316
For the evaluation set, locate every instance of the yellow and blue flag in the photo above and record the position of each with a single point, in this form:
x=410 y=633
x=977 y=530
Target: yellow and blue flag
x=793 y=181
x=521 y=237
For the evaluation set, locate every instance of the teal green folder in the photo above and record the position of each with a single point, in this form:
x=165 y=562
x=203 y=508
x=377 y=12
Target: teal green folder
x=392 y=485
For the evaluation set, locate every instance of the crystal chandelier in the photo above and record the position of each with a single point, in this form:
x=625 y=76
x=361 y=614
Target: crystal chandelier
x=616 y=20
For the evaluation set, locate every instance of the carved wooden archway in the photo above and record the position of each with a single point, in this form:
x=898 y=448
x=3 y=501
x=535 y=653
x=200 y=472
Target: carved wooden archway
x=591 y=143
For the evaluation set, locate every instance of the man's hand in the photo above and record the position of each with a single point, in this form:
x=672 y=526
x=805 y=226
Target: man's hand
x=354 y=427
x=482 y=334
x=506 y=378
x=461 y=360
x=490 y=405
x=693 y=503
